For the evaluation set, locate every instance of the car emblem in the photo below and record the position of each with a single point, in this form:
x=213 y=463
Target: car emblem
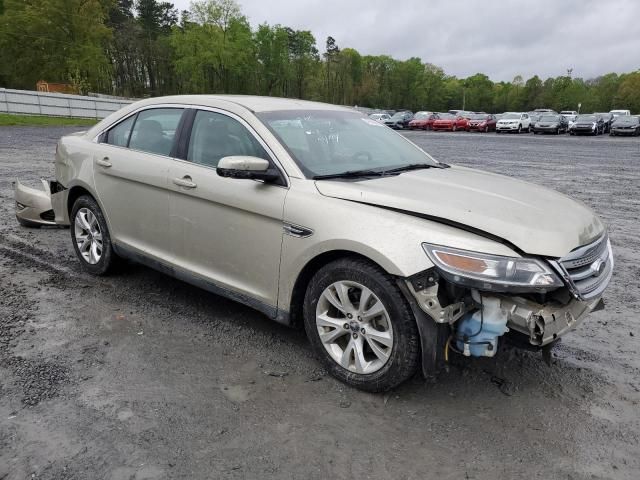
x=598 y=267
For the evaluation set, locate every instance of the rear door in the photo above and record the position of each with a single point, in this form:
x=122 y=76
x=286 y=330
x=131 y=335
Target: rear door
x=130 y=174
x=226 y=231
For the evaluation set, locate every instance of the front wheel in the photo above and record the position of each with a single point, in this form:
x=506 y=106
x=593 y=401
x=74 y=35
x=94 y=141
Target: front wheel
x=361 y=326
x=91 y=238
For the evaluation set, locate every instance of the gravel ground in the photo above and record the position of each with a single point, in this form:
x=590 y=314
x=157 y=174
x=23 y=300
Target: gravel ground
x=139 y=376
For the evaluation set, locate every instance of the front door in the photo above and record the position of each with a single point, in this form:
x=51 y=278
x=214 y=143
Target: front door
x=225 y=230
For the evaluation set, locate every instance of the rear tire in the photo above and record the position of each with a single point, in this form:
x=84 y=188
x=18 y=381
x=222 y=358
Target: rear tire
x=91 y=238
x=352 y=355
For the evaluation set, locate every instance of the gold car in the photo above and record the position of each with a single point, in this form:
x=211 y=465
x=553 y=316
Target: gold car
x=317 y=215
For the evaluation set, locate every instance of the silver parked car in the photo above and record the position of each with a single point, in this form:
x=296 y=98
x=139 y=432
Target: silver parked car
x=317 y=215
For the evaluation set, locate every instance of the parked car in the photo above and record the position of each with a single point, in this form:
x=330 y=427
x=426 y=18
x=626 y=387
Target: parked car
x=569 y=113
x=590 y=124
x=607 y=119
x=625 y=125
x=380 y=117
x=618 y=113
x=399 y=120
x=514 y=122
x=446 y=122
x=544 y=110
x=551 y=124
x=534 y=117
x=481 y=122
x=423 y=120
x=389 y=258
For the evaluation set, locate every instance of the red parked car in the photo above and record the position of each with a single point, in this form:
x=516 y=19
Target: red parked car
x=449 y=123
x=481 y=122
x=423 y=120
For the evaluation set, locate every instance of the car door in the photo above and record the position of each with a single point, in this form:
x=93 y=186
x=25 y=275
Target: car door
x=131 y=166
x=227 y=232
x=526 y=121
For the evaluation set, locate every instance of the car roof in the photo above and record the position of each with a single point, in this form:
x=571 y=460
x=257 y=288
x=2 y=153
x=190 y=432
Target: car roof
x=250 y=102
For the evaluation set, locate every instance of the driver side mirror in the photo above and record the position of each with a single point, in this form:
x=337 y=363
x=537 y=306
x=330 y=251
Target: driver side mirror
x=248 y=168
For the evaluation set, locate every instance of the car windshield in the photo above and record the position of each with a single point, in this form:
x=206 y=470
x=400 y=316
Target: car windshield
x=511 y=116
x=421 y=116
x=549 y=118
x=586 y=118
x=447 y=116
x=478 y=116
x=333 y=142
x=626 y=120
x=399 y=115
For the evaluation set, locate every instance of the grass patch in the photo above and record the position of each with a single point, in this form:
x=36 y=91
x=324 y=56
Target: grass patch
x=44 y=121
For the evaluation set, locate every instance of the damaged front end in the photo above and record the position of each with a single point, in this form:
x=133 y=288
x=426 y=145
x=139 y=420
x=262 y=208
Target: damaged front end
x=479 y=299
x=34 y=206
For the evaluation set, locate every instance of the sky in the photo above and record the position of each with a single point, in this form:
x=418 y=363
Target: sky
x=500 y=38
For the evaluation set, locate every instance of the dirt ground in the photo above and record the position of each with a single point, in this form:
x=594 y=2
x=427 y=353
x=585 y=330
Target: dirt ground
x=139 y=376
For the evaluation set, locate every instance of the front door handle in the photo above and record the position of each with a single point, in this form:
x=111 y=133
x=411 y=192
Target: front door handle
x=104 y=162
x=185 y=182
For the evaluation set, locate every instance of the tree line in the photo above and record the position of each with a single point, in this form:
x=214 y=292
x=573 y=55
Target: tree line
x=138 y=48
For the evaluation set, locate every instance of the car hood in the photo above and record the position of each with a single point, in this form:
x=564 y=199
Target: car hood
x=535 y=219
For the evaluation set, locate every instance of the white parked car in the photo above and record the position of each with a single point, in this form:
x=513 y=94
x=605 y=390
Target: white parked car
x=618 y=113
x=380 y=117
x=514 y=122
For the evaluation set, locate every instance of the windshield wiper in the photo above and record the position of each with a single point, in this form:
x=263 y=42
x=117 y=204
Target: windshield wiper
x=415 y=166
x=351 y=174
x=380 y=173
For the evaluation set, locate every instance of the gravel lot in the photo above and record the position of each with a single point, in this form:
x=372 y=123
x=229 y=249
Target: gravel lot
x=139 y=376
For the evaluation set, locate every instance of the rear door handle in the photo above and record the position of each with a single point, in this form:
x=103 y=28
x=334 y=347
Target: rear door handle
x=185 y=182
x=104 y=162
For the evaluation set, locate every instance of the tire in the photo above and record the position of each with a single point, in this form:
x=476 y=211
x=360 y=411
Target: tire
x=557 y=131
x=454 y=128
x=486 y=129
x=403 y=354
x=519 y=129
x=98 y=260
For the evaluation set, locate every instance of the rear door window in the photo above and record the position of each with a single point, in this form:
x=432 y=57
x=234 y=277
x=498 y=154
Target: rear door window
x=119 y=135
x=155 y=130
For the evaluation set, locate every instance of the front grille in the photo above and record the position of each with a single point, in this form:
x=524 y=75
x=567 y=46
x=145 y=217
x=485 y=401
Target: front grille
x=49 y=216
x=589 y=268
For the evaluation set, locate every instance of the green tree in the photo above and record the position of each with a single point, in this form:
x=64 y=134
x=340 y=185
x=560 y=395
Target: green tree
x=53 y=40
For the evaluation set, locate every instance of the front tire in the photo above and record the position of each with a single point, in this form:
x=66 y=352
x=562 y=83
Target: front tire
x=361 y=326
x=91 y=238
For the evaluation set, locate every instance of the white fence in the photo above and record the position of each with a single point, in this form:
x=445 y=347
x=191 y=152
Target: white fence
x=57 y=104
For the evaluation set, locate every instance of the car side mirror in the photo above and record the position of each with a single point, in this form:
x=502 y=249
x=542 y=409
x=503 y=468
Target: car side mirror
x=248 y=168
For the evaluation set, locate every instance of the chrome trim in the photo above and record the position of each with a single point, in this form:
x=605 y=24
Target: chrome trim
x=297 y=231
x=582 y=268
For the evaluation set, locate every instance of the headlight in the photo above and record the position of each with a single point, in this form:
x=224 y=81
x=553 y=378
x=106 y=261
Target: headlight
x=492 y=272
x=553 y=125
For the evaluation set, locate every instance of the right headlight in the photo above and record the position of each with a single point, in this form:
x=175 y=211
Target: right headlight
x=492 y=272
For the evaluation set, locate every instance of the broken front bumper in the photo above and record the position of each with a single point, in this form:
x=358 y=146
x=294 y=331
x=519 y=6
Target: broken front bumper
x=545 y=323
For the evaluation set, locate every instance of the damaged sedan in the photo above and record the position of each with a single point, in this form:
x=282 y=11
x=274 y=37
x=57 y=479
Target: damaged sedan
x=321 y=217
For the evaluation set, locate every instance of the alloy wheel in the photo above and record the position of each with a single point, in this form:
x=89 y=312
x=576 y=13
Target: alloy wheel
x=354 y=327
x=88 y=236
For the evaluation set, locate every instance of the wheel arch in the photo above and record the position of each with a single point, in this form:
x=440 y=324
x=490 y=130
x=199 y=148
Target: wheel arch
x=76 y=192
x=306 y=274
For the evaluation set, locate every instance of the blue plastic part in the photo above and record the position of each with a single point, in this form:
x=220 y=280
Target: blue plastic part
x=482 y=342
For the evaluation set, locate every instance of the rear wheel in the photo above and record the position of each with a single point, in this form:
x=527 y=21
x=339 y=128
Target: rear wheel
x=519 y=129
x=91 y=238
x=361 y=326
